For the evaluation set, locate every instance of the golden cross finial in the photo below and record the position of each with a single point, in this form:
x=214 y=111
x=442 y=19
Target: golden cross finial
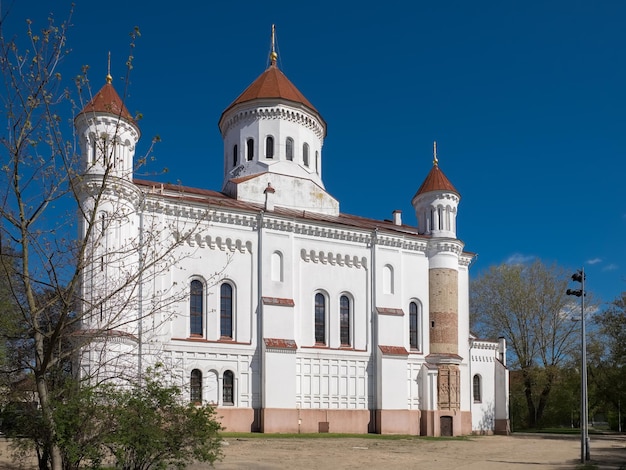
x=273 y=54
x=435 y=159
x=109 y=77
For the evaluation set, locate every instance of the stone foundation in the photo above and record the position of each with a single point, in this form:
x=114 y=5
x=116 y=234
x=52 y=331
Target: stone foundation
x=277 y=420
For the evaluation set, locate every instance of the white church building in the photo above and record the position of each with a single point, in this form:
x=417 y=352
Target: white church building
x=265 y=299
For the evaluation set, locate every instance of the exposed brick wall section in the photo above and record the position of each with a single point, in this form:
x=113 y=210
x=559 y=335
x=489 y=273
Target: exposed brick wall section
x=444 y=310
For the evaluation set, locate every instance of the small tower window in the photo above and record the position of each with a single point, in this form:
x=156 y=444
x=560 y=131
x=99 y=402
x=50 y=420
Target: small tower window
x=317 y=162
x=289 y=148
x=269 y=147
x=305 y=154
x=250 y=149
x=235 y=151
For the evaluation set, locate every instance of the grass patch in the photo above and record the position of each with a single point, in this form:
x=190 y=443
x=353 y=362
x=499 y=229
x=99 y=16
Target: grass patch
x=388 y=437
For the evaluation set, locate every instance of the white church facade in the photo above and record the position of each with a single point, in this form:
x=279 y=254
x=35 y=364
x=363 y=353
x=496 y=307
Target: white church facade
x=267 y=301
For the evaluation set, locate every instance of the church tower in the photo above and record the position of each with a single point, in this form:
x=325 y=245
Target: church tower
x=273 y=138
x=109 y=203
x=435 y=204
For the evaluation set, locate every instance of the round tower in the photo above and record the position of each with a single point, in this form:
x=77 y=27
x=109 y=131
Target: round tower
x=435 y=204
x=109 y=225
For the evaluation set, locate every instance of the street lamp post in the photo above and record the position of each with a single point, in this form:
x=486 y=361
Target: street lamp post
x=579 y=276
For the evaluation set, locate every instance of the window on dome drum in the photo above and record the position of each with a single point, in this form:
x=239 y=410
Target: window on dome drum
x=289 y=149
x=228 y=388
x=477 y=388
x=195 y=386
x=269 y=147
x=344 y=320
x=196 y=308
x=305 y=154
x=226 y=310
x=413 y=326
x=250 y=149
x=235 y=155
x=320 y=318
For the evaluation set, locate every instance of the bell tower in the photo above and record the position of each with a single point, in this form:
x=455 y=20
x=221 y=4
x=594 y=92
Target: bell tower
x=435 y=204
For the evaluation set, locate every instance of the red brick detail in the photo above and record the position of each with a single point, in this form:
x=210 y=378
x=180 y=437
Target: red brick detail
x=389 y=311
x=278 y=343
x=393 y=350
x=278 y=301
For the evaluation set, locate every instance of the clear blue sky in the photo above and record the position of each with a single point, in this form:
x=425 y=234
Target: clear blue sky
x=526 y=99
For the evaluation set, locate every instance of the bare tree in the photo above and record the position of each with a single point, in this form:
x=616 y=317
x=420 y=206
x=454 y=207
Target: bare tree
x=528 y=305
x=98 y=300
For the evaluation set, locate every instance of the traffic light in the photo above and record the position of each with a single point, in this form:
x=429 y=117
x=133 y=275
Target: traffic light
x=578 y=276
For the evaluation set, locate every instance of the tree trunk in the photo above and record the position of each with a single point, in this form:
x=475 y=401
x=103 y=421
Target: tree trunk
x=530 y=405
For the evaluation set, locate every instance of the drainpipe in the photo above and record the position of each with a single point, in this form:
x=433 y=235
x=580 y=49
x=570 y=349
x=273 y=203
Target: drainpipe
x=374 y=323
x=259 y=271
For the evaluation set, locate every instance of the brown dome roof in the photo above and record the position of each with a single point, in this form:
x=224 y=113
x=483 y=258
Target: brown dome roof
x=272 y=84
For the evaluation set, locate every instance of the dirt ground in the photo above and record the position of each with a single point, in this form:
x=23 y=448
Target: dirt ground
x=475 y=453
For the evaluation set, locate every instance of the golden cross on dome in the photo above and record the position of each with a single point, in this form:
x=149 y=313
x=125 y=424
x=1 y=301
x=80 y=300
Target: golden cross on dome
x=435 y=159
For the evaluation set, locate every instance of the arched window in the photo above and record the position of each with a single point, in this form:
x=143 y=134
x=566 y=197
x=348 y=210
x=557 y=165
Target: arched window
x=94 y=149
x=289 y=148
x=477 y=389
x=196 y=308
x=196 y=386
x=226 y=310
x=228 y=388
x=269 y=147
x=414 y=326
x=235 y=152
x=320 y=318
x=250 y=149
x=317 y=162
x=305 y=154
x=344 y=320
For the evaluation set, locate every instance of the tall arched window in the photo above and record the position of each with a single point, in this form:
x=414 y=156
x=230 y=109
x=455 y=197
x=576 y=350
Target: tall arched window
x=289 y=148
x=305 y=154
x=320 y=318
x=414 y=326
x=317 y=162
x=228 y=388
x=250 y=149
x=269 y=147
x=226 y=310
x=235 y=151
x=477 y=389
x=196 y=308
x=196 y=386
x=344 y=320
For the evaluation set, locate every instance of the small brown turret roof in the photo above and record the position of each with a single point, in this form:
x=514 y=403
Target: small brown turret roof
x=108 y=101
x=436 y=181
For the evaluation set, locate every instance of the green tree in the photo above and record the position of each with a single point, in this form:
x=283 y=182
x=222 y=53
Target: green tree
x=42 y=189
x=527 y=304
x=154 y=427
x=608 y=364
